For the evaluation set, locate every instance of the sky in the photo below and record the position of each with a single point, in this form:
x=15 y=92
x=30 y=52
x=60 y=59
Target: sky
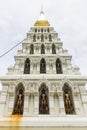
x=68 y=17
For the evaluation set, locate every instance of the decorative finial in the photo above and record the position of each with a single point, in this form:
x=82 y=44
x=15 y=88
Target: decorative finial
x=41 y=12
x=41 y=6
x=42 y=20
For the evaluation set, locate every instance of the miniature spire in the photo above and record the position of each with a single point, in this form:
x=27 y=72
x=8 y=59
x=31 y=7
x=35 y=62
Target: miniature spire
x=42 y=20
x=41 y=9
x=42 y=15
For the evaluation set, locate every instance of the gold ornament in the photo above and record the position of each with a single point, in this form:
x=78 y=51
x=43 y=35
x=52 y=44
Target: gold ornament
x=42 y=23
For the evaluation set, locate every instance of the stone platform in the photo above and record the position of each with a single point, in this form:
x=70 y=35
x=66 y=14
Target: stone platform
x=43 y=123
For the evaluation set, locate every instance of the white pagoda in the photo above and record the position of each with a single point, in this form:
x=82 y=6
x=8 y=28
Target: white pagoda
x=43 y=91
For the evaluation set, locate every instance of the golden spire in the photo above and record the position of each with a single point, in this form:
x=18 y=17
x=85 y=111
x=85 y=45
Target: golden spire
x=41 y=20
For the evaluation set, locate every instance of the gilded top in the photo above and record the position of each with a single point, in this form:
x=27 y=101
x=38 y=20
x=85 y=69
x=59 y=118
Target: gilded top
x=42 y=20
x=42 y=23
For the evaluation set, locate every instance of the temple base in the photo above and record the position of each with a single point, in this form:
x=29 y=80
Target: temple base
x=43 y=123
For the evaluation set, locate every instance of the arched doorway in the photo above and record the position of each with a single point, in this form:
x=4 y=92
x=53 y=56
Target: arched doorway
x=27 y=66
x=43 y=100
x=42 y=66
x=68 y=99
x=19 y=100
x=58 y=66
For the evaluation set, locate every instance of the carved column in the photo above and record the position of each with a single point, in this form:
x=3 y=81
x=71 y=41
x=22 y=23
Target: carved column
x=31 y=67
x=56 y=104
x=61 y=104
x=51 y=67
x=51 y=104
x=54 y=68
x=84 y=101
x=38 y=68
x=36 y=103
x=4 y=101
x=31 y=102
x=26 y=105
x=50 y=50
x=35 y=49
x=35 y=67
x=47 y=68
x=39 y=50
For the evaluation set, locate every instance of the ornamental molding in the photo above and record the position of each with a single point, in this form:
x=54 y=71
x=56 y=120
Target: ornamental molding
x=56 y=57
x=45 y=81
x=20 y=81
x=65 y=80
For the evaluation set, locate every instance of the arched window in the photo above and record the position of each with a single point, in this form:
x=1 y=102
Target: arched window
x=42 y=49
x=19 y=100
x=53 y=49
x=48 y=30
x=58 y=66
x=42 y=38
x=34 y=38
x=35 y=29
x=42 y=66
x=68 y=99
x=27 y=66
x=50 y=37
x=43 y=100
x=41 y=29
x=31 y=49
